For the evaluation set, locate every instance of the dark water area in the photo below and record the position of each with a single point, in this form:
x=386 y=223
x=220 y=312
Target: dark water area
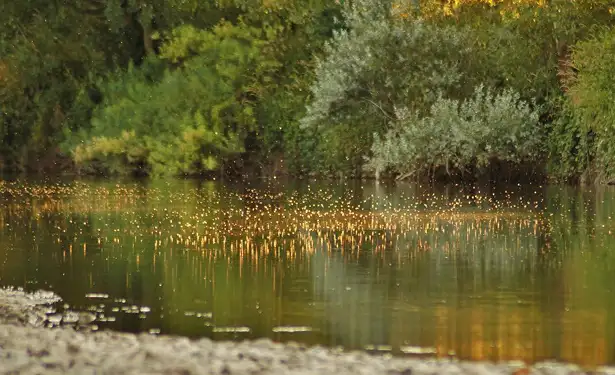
x=482 y=273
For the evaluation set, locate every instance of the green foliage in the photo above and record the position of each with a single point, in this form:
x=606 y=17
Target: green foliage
x=378 y=63
x=522 y=44
x=302 y=29
x=570 y=149
x=249 y=83
x=520 y=55
x=43 y=56
x=55 y=56
x=590 y=109
x=375 y=67
x=187 y=121
x=460 y=136
x=390 y=60
x=188 y=86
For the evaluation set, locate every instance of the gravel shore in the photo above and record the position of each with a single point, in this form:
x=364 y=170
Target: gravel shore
x=26 y=347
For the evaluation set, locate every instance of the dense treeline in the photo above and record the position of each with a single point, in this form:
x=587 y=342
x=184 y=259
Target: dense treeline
x=399 y=88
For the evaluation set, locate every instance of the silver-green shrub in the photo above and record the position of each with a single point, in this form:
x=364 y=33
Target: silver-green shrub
x=460 y=135
x=379 y=63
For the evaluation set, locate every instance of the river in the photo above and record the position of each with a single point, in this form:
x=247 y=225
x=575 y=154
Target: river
x=472 y=272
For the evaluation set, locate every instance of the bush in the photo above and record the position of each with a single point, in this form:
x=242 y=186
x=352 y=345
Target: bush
x=185 y=120
x=591 y=96
x=460 y=136
x=570 y=146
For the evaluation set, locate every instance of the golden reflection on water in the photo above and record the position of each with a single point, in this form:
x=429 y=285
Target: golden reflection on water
x=469 y=275
x=256 y=228
x=511 y=341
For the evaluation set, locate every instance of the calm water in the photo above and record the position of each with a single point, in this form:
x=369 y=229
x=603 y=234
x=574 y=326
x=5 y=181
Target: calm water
x=476 y=273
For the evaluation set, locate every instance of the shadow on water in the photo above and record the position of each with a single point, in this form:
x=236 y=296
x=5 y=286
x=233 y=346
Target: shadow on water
x=477 y=272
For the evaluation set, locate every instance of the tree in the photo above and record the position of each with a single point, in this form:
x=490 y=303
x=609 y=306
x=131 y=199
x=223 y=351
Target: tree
x=378 y=65
x=586 y=131
x=47 y=50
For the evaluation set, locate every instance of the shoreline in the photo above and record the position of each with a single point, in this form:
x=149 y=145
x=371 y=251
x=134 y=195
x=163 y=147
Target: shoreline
x=27 y=347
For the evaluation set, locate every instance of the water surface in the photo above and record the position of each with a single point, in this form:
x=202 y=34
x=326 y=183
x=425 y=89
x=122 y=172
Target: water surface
x=477 y=273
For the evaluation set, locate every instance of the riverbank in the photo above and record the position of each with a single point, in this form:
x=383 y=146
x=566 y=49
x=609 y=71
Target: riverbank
x=26 y=347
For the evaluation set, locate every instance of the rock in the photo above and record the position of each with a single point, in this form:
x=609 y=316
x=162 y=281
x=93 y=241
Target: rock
x=70 y=317
x=55 y=319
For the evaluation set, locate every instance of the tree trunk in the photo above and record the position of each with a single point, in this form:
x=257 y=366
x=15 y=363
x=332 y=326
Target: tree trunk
x=148 y=42
x=146 y=15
